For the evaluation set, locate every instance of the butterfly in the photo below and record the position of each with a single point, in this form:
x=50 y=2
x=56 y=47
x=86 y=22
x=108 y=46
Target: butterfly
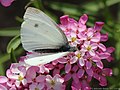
x=39 y=33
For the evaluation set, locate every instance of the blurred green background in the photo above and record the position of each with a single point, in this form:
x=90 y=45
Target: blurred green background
x=107 y=11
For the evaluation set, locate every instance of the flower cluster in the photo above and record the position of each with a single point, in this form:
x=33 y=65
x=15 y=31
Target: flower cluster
x=74 y=71
x=6 y=3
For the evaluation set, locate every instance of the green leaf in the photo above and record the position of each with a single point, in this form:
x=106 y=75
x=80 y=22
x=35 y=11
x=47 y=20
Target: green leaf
x=13 y=44
x=96 y=6
x=9 y=31
x=12 y=57
x=66 y=8
x=38 y=4
x=4 y=57
x=2 y=72
x=118 y=50
x=112 y=2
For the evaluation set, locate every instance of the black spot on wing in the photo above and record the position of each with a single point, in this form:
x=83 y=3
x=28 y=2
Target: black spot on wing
x=36 y=25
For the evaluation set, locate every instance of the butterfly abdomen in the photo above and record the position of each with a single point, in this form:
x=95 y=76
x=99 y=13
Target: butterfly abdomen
x=61 y=49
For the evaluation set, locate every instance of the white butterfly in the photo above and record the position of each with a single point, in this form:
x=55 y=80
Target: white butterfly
x=40 y=33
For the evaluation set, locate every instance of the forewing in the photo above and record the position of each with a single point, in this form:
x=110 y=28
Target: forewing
x=39 y=31
x=41 y=36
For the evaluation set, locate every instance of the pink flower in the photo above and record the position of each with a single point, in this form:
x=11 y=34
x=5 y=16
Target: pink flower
x=17 y=73
x=81 y=23
x=6 y=3
x=69 y=60
x=34 y=77
x=36 y=86
x=82 y=69
x=89 y=35
x=68 y=25
x=55 y=83
x=89 y=47
x=72 y=38
x=100 y=74
x=79 y=55
x=97 y=60
x=72 y=74
x=55 y=67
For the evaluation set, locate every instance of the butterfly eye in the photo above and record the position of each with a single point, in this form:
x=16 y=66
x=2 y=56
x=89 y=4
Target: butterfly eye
x=36 y=25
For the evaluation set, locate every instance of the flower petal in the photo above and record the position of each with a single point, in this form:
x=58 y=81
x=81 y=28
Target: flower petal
x=58 y=79
x=96 y=58
x=67 y=68
x=98 y=26
x=34 y=70
x=99 y=64
x=104 y=37
x=3 y=79
x=2 y=87
x=64 y=19
x=89 y=72
x=102 y=47
x=81 y=62
x=62 y=60
x=110 y=49
x=85 y=85
x=88 y=64
x=80 y=73
x=17 y=83
x=104 y=55
x=24 y=82
x=67 y=77
x=83 y=19
x=40 y=78
x=56 y=71
x=92 y=52
x=75 y=78
x=103 y=81
x=107 y=72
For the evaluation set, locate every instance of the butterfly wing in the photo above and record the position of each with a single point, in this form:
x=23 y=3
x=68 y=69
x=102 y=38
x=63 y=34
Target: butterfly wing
x=39 y=31
x=41 y=60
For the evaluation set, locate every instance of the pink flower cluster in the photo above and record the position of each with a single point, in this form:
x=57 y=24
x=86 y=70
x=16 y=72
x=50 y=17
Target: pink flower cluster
x=6 y=3
x=74 y=71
